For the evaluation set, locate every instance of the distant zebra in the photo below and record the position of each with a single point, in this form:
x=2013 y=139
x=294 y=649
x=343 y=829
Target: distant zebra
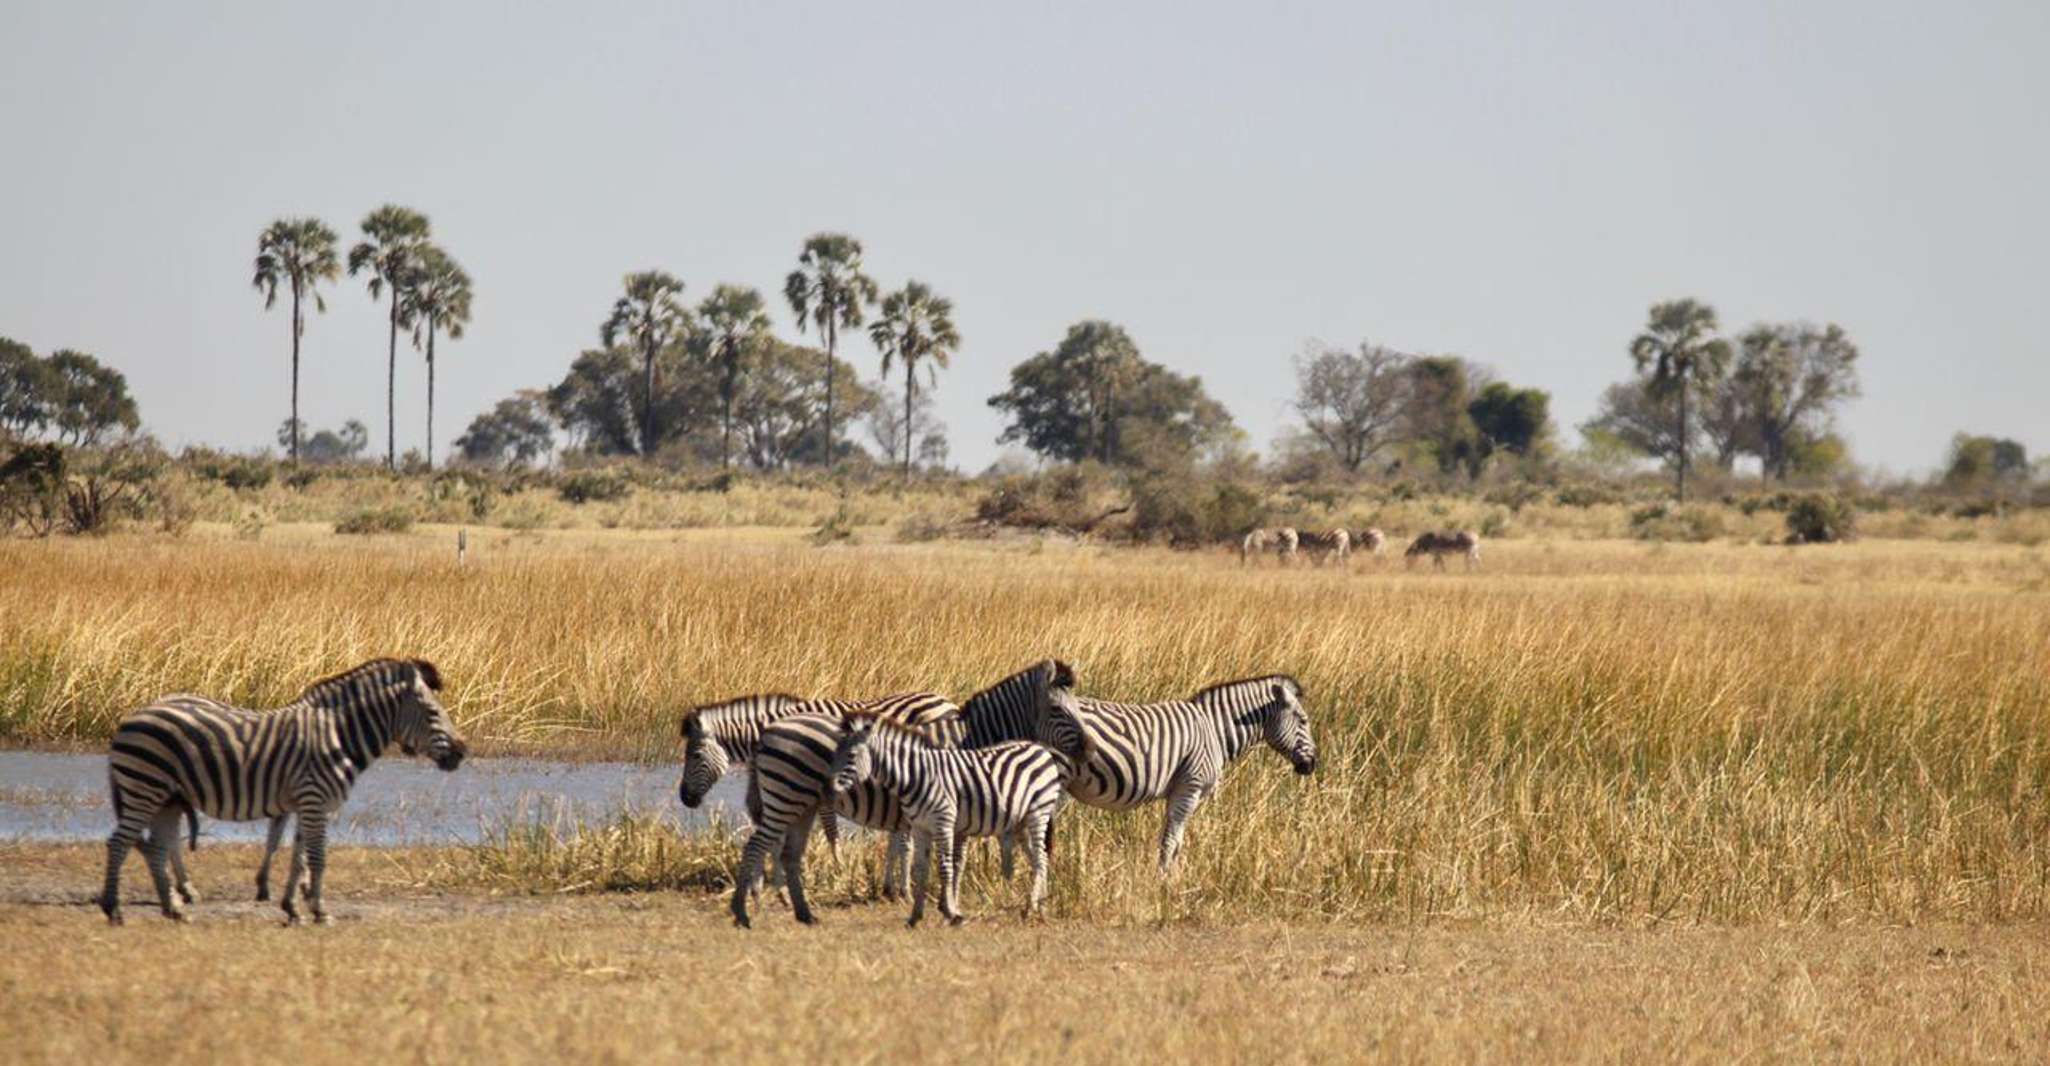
x=791 y=780
x=1438 y=545
x=188 y=753
x=720 y=737
x=1253 y=544
x=1179 y=751
x=1285 y=544
x=1010 y=790
x=1335 y=545
x=1372 y=541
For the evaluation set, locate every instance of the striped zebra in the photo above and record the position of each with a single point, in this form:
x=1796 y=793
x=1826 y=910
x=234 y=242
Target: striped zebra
x=1010 y=790
x=1438 y=545
x=1372 y=541
x=1327 y=546
x=1179 y=751
x=719 y=738
x=1011 y=709
x=1252 y=545
x=1285 y=544
x=791 y=782
x=186 y=755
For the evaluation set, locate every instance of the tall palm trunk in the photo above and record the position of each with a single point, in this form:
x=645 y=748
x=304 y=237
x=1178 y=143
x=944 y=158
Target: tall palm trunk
x=391 y=389
x=908 y=386
x=832 y=344
x=430 y=391
x=298 y=327
x=726 y=423
x=648 y=396
x=1682 y=493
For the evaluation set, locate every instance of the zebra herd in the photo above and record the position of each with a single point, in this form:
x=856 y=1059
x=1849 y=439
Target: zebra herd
x=928 y=771
x=1337 y=545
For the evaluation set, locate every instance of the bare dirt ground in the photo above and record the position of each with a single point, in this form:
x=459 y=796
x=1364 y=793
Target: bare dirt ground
x=409 y=974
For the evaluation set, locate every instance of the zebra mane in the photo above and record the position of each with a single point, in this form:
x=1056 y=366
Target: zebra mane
x=386 y=669
x=886 y=724
x=1060 y=675
x=1288 y=679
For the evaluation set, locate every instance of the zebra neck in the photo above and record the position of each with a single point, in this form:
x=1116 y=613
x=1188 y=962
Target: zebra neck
x=998 y=713
x=737 y=734
x=363 y=720
x=898 y=764
x=1239 y=732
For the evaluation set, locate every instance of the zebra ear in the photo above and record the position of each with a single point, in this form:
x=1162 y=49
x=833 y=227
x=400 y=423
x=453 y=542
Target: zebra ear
x=1280 y=692
x=1060 y=674
x=693 y=728
x=428 y=674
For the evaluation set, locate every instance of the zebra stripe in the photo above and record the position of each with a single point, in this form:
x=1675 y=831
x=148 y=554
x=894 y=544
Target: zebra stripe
x=1180 y=750
x=1438 y=545
x=791 y=781
x=188 y=754
x=1327 y=545
x=1010 y=790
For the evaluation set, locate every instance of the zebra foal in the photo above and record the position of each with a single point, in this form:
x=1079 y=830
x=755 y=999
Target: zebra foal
x=186 y=755
x=1010 y=790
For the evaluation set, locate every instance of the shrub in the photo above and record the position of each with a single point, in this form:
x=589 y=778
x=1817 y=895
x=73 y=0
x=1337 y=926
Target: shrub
x=1495 y=525
x=589 y=486
x=1821 y=519
x=838 y=527
x=32 y=489
x=1665 y=522
x=1588 y=496
x=377 y=520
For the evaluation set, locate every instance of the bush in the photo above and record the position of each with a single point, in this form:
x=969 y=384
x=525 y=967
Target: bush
x=32 y=489
x=1664 y=522
x=377 y=520
x=837 y=528
x=1187 y=513
x=1588 y=496
x=589 y=486
x=1821 y=520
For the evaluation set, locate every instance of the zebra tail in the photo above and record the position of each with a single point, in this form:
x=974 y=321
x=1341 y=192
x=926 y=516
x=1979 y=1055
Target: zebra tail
x=192 y=820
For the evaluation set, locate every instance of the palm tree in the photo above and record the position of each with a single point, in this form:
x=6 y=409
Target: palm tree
x=1680 y=349
x=299 y=252
x=437 y=301
x=650 y=314
x=393 y=236
x=829 y=288
x=735 y=320
x=916 y=324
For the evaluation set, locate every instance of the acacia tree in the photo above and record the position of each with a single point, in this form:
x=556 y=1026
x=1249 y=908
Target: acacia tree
x=1093 y=397
x=393 y=237
x=300 y=253
x=1680 y=351
x=437 y=301
x=87 y=399
x=25 y=389
x=1352 y=401
x=916 y=324
x=652 y=316
x=735 y=321
x=1787 y=378
x=829 y=289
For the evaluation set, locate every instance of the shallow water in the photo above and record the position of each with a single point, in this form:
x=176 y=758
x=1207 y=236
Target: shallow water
x=50 y=796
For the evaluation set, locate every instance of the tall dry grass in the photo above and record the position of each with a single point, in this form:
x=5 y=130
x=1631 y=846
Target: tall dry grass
x=1711 y=733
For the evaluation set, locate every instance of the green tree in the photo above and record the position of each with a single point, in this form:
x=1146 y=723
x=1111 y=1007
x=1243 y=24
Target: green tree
x=1976 y=461
x=735 y=322
x=1680 y=351
x=916 y=324
x=1510 y=419
x=437 y=301
x=298 y=253
x=1644 y=421
x=25 y=389
x=87 y=400
x=1435 y=411
x=392 y=239
x=829 y=290
x=1352 y=402
x=1788 y=378
x=652 y=316
x=515 y=432
x=1094 y=397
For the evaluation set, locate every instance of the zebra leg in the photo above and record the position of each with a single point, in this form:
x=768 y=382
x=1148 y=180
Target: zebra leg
x=270 y=851
x=1035 y=853
x=297 y=871
x=921 y=874
x=759 y=844
x=1181 y=804
x=950 y=870
x=1007 y=844
x=897 y=865
x=313 y=830
x=181 y=880
x=118 y=844
x=794 y=840
x=156 y=850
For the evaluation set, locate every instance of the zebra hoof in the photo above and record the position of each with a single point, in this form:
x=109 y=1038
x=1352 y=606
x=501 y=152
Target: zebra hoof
x=114 y=918
x=263 y=894
x=291 y=920
x=176 y=916
x=955 y=921
x=740 y=921
x=321 y=919
x=186 y=893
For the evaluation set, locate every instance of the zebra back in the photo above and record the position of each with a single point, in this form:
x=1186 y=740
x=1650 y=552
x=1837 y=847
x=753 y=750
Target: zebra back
x=792 y=769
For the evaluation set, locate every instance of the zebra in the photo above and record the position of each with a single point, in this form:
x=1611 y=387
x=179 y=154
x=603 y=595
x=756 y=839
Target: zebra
x=1439 y=545
x=187 y=755
x=1253 y=544
x=790 y=783
x=1372 y=541
x=1326 y=547
x=1011 y=709
x=1010 y=790
x=720 y=737
x=1179 y=750
x=1284 y=544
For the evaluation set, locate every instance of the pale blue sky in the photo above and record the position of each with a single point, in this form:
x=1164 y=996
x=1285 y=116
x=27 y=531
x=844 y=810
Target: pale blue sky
x=1511 y=182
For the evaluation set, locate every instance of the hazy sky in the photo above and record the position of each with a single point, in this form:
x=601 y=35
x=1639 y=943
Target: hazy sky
x=1510 y=182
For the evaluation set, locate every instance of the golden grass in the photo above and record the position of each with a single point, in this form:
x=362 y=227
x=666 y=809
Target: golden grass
x=1599 y=731
x=407 y=974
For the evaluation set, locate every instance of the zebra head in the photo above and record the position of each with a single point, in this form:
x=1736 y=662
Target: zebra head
x=423 y=725
x=704 y=762
x=1286 y=725
x=853 y=759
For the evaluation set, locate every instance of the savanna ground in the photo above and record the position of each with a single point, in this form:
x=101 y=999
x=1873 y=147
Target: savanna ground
x=1601 y=800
